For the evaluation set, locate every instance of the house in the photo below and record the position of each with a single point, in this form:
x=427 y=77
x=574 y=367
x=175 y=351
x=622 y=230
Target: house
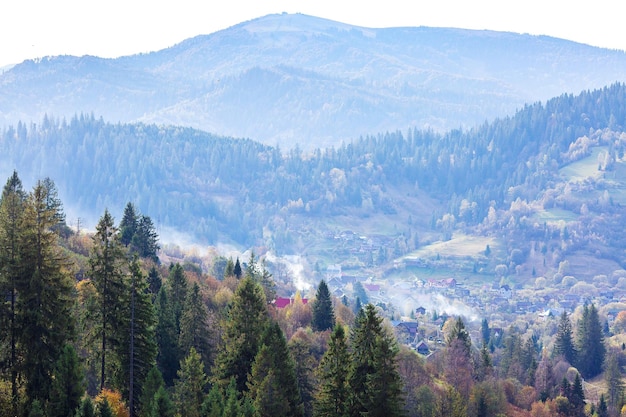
x=420 y=310
x=422 y=348
x=282 y=302
x=506 y=292
x=406 y=331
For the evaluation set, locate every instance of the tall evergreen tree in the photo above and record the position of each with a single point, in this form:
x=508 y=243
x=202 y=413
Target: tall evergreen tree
x=190 y=386
x=177 y=292
x=154 y=282
x=145 y=239
x=86 y=408
x=614 y=381
x=564 y=342
x=67 y=385
x=246 y=320
x=237 y=271
x=591 y=349
x=373 y=348
x=53 y=203
x=272 y=385
x=331 y=399
x=151 y=385
x=323 y=314
x=166 y=338
x=128 y=225
x=107 y=264
x=46 y=295
x=194 y=326
x=302 y=353
x=137 y=353
x=162 y=405
x=11 y=210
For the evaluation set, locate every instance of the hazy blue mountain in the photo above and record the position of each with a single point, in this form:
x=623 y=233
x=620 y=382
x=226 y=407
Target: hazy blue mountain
x=548 y=181
x=296 y=79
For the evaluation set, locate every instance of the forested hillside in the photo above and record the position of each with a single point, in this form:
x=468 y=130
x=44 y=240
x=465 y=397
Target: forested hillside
x=127 y=336
x=230 y=190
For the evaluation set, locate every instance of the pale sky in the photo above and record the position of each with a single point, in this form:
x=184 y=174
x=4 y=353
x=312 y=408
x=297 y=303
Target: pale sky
x=36 y=28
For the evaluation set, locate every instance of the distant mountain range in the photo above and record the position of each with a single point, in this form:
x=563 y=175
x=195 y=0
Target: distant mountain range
x=301 y=80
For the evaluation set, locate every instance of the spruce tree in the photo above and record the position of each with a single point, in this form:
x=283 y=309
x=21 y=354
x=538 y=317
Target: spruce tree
x=301 y=350
x=166 y=338
x=46 y=295
x=273 y=385
x=162 y=405
x=564 y=342
x=246 y=320
x=591 y=349
x=11 y=211
x=128 y=225
x=189 y=388
x=107 y=263
x=372 y=349
x=67 y=385
x=323 y=314
x=138 y=350
x=237 y=271
x=177 y=292
x=86 y=408
x=614 y=381
x=145 y=239
x=151 y=385
x=331 y=399
x=194 y=326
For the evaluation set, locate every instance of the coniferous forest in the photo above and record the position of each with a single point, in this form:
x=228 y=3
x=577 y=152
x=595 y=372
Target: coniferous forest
x=93 y=324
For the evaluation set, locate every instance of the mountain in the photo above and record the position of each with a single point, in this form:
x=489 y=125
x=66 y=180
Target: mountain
x=545 y=185
x=295 y=79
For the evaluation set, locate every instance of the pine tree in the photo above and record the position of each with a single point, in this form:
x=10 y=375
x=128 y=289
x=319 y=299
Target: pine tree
x=128 y=225
x=237 y=271
x=145 y=239
x=272 y=384
x=485 y=332
x=151 y=385
x=331 y=399
x=166 y=338
x=301 y=350
x=46 y=295
x=177 y=292
x=564 y=342
x=162 y=404
x=11 y=210
x=53 y=203
x=229 y=270
x=247 y=318
x=213 y=405
x=372 y=349
x=576 y=396
x=384 y=386
x=194 y=326
x=591 y=349
x=67 y=384
x=86 y=408
x=154 y=282
x=138 y=350
x=323 y=314
x=107 y=263
x=190 y=385
x=614 y=382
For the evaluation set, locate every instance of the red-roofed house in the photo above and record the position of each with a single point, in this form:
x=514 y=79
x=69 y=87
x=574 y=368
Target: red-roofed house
x=282 y=302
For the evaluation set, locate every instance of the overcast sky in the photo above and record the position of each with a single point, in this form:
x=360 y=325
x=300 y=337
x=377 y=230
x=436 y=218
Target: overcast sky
x=36 y=28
